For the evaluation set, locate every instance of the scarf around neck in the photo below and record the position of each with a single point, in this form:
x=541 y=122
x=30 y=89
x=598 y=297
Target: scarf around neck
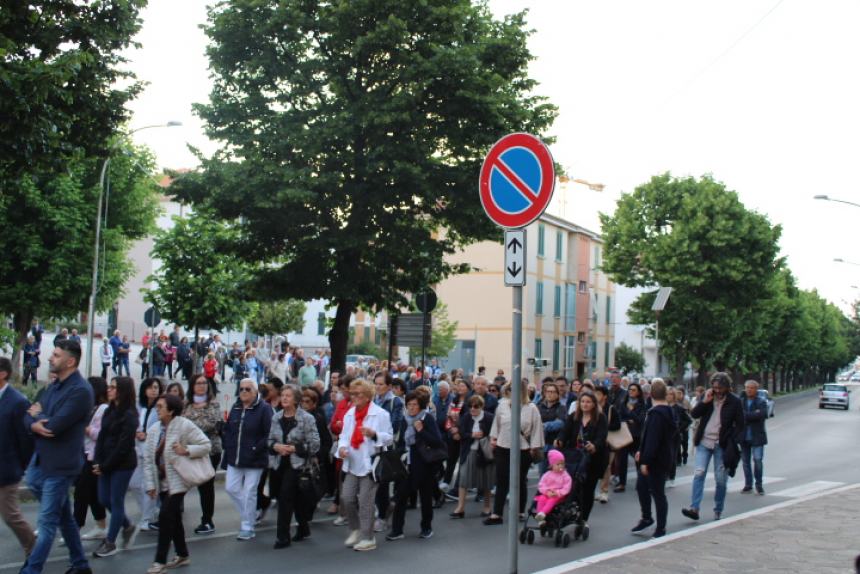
x=357 y=437
x=410 y=426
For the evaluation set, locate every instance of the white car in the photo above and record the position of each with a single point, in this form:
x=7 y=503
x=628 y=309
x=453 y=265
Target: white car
x=764 y=394
x=833 y=394
x=855 y=378
x=844 y=377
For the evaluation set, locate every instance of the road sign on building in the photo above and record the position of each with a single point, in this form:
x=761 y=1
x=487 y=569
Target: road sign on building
x=515 y=257
x=517 y=180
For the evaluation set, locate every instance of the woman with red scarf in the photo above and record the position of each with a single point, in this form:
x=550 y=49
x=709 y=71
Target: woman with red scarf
x=366 y=429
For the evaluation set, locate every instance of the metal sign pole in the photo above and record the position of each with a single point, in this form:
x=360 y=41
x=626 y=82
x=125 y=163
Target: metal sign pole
x=516 y=405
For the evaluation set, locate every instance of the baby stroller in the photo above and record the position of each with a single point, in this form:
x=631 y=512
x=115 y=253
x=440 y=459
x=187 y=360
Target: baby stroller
x=565 y=512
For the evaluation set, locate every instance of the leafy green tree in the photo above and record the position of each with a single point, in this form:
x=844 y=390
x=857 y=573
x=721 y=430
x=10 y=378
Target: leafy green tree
x=197 y=284
x=697 y=237
x=443 y=335
x=353 y=134
x=277 y=317
x=51 y=234
x=629 y=359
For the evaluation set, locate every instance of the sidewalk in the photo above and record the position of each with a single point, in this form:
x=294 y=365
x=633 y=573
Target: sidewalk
x=817 y=534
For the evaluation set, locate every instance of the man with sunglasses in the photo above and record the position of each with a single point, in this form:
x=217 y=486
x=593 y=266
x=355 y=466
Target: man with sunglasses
x=245 y=444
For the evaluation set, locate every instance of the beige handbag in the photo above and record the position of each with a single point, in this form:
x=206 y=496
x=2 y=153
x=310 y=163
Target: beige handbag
x=194 y=471
x=620 y=438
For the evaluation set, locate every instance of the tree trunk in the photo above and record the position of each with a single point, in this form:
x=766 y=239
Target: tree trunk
x=21 y=323
x=339 y=334
x=702 y=379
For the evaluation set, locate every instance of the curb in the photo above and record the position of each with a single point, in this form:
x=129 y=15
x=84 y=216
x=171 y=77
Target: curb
x=610 y=554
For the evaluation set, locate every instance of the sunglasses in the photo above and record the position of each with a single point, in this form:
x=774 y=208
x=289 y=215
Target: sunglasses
x=246 y=389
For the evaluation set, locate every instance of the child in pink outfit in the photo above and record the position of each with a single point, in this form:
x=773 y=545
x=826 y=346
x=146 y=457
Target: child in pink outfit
x=554 y=485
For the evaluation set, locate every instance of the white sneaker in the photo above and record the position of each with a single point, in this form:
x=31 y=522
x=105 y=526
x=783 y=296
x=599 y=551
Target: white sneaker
x=365 y=545
x=340 y=521
x=443 y=486
x=379 y=525
x=353 y=539
x=95 y=534
x=540 y=516
x=603 y=497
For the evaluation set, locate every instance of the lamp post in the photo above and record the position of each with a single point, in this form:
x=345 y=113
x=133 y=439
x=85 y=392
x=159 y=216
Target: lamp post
x=91 y=307
x=828 y=198
x=840 y=260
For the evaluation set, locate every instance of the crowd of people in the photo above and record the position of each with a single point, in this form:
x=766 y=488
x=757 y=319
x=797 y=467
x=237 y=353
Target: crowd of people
x=374 y=442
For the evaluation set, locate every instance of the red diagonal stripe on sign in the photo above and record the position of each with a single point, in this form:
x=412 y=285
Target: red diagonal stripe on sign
x=515 y=180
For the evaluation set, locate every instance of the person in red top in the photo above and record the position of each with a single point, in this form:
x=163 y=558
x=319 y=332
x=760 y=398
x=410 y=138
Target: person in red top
x=336 y=427
x=210 y=368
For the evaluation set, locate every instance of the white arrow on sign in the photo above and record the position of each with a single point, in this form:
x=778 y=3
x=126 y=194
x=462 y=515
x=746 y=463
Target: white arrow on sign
x=515 y=258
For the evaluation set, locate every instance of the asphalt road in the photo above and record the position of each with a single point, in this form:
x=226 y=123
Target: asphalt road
x=810 y=450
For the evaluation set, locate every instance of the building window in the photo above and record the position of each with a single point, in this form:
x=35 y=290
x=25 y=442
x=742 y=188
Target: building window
x=366 y=338
x=559 y=238
x=583 y=287
x=608 y=309
x=539 y=297
x=377 y=336
x=580 y=337
x=556 y=311
x=606 y=354
x=569 y=307
x=541 y=238
x=321 y=323
x=592 y=354
x=596 y=256
x=556 y=351
x=569 y=352
x=538 y=348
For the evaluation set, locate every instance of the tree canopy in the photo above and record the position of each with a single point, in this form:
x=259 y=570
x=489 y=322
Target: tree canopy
x=277 y=317
x=353 y=134
x=629 y=359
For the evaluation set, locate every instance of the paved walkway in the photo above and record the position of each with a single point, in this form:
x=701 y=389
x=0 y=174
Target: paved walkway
x=818 y=533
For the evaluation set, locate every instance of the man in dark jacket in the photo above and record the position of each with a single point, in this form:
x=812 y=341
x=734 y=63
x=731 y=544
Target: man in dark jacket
x=655 y=459
x=16 y=447
x=755 y=437
x=480 y=388
x=720 y=430
x=246 y=452
x=58 y=424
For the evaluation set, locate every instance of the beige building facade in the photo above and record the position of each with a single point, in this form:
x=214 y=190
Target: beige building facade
x=567 y=304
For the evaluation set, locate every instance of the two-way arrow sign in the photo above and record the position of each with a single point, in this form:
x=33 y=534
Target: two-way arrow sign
x=515 y=258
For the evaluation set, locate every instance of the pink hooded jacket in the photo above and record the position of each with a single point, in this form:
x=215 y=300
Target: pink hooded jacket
x=552 y=480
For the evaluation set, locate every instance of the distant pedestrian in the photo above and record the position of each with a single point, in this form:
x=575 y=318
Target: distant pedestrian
x=75 y=337
x=58 y=424
x=246 y=453
x=106 y=355
x=655 y=459
x=124 y=352
x=755 y=437
x=476 y=471
x=720 y=429
x=61 y=336
x=16 y=446
x=147 y=417
x=31 y=360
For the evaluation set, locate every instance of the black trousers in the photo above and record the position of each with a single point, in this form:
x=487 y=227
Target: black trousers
x=170 y=527
x=383 y=499
x=453 y=457
x=290 y=501
x=424 y=484
x=652 y=486
x=586 y=489
x=503 y=465
x=207 y=494
x=87 y=496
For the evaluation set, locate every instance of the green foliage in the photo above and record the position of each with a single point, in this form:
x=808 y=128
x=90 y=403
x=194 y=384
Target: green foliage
x=443 y=335
x=199 y=286
x=277 y=317
x=629 y=359
x=366 y=348
x=353 y=134
x=696 y=237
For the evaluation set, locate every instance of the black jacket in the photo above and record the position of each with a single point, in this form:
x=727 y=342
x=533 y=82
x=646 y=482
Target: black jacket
x=731 y=420
x=659 y=434
x=755 y=415
x=635 y=418
x=553 y=419
x=595 y=434
x=466 y=424
x=115 y=444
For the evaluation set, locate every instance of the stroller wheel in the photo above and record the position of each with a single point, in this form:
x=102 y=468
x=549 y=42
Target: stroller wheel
x=530 y=537
x=577 y=532
x=565 y=542
x=543 y=531
x=522 y=536
x=585 y=532
x=558 y=538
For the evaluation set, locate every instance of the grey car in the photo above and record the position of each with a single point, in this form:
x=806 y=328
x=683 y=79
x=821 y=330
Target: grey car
x=766 y=396
x=833 y=394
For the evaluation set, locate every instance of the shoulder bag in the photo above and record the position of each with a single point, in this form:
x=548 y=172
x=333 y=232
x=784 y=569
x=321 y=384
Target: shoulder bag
x=194 y=471
x=387 y=466
x=620 y=438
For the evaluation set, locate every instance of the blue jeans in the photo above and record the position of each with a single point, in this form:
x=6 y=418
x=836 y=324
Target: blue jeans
x=757 y=453
x=55 y=511
x=703 y=459
x=112 y=488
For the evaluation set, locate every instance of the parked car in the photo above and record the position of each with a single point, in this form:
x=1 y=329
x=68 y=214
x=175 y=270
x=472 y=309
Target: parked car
x=359 y=361
x=855 y=378
x=766 y=396
x=844 y=377
x=833 y=394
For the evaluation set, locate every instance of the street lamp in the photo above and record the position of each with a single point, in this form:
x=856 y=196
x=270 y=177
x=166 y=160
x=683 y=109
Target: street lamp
x=840 y=260
x=828 y=198
x=91 y=307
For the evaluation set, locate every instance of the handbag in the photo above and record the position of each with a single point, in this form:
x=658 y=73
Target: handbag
x=620 y=438
x=310 y=481
x=194 y=471
x=485 y=452
x=433 y=454
x=387 y=466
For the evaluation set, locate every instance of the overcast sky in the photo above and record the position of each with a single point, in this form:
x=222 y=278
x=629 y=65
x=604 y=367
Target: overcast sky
x=763 y=95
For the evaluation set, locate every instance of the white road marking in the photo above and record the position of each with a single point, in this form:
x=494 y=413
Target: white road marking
x=808 y=488
x=603 y=556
